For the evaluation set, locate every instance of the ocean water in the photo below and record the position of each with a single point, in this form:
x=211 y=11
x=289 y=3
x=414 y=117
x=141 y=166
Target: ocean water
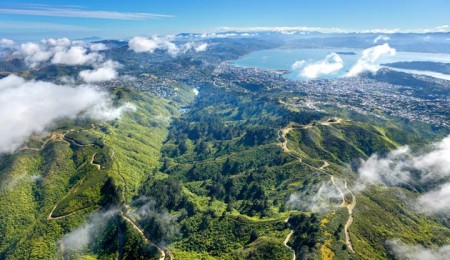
x=283 y=59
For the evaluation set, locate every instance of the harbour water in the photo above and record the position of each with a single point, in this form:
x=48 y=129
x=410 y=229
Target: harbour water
x=283 y=59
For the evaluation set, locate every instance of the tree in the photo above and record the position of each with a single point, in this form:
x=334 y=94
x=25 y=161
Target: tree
x=253 y=235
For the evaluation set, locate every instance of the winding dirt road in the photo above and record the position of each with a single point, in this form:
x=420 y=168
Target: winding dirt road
x=350 y=208
x=294 y=257
x=339 y=190
x=163 y=251
x=325 y=165
x=54 y=137
x=98 y=166
x=283 y=141
x=146 y=240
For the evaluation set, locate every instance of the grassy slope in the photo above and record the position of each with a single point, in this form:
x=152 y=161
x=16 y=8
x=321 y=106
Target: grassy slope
x=280 y=176
x=61 y=173
x=383 y=214
x=234 y=182
x=35 y=195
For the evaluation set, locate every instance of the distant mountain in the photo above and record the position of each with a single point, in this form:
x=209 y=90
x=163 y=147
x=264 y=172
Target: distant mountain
x=12 y=65
x=413 y=42
x=422 y=65
x=407 y=79
x=112 y=43
x=90 y=38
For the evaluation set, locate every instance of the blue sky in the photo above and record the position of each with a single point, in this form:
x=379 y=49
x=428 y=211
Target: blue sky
x=22 y=20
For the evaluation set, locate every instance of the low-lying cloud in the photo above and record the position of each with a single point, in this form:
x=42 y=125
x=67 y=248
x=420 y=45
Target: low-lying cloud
x=80 y=238
x=98 y=47
x=57 y=51
x=162 y=221
x=103 y=72
x=381 y=38
x=66 y=52
x=298 y=65
x=390 y=170
x=402 y=166
x=222 y=35
x=435 y=201
x=331 y=64
x=10 y=183
x=75 y=55
x=202 y=47
x=143 y=44
x=6 y=43
x=324 y=198
x=404 y=251
x=399 y=165
x=30 y=107
x=369 y=58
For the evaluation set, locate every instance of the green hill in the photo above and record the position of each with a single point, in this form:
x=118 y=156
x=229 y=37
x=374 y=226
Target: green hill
x=215 y=182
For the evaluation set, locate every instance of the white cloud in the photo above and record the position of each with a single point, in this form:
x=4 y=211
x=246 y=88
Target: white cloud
x=397 y=166
x=382 y=30
x=30 y=107
x=435 y=163
x=437 y=29
x=34 y=53
x=75 y=55
x=57 y=51
x=11 y=182
x=81 y=237
x=104 y=72
x=331 y=64
x=368 y=60
x=404 y=251
x=228 y=35
x=441 y=28
x=143 y=44
x=164 y=223
x=435 y=201
x=195 y=46
x=306 y=29
x=320 y=200
x=42 y=10
x=57 y=42
x=104 y=111
x=67 y=52
x=222 y=35
x=201 y=47
x=282 y=29
x=384 y=38
x=298 y=65
x=98 y=47
x=390 y=170
x=401 y=166
x=6 y=43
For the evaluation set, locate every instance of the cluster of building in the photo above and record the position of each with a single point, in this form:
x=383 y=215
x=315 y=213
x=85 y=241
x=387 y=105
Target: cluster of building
x=160 y=86
x=367 y=96
x=359 y=94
